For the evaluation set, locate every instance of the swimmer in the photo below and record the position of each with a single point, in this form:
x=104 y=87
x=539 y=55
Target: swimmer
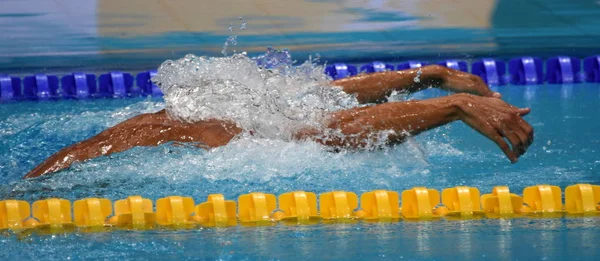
x=472 y=103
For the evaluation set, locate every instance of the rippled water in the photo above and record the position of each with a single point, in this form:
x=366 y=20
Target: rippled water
x=519 y=239
x=564 y=153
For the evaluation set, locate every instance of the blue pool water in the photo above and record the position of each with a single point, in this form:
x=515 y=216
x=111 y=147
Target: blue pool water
x=564 y=153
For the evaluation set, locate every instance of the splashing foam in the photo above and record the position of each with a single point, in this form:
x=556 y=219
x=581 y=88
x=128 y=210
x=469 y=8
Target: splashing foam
x=266 y=95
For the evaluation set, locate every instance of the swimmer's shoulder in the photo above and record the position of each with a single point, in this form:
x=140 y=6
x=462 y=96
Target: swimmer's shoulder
x=149 y=118
x=163 y=118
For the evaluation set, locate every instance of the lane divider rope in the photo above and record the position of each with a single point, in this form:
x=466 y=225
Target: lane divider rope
x=55 y=215
x=115 y=84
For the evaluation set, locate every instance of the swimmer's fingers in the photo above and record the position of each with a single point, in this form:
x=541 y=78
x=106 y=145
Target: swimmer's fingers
x=523 y=111
x=505 y=148
x=514 y=139
x=463 y=82
x=499 y=140
x=498 y=135
x=482 y=88
x=527 y=130
x=508 y=108
x=517 y=136
x=519 y=132
x=493 y=134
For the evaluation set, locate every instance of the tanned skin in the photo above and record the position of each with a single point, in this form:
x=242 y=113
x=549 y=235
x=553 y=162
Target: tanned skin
x=474 y=104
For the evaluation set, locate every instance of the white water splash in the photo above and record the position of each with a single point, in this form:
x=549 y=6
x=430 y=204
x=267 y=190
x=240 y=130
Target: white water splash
x=270 y=102
x=417 y=78
x=242 y=24
x=232 y=39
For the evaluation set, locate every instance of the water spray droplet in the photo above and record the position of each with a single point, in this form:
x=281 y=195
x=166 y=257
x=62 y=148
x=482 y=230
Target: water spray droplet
x=417 y=79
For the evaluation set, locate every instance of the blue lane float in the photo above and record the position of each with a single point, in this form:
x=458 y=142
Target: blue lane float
x=376 y=67
x=144 y=82
x=115 y=84
x=411 y=65
x=526 y=70
x=490 y=70
x=591 y=67
x=340 y=70
x=10 y=88
x=455 y=64
x=78 y=85
x=563 y=69
x=40 y=87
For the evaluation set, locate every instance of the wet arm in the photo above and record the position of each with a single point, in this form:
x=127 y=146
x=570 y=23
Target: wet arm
x=137 y=131
x=361 y=127
x=150 y=129
x=392 y=122
x=375 y=87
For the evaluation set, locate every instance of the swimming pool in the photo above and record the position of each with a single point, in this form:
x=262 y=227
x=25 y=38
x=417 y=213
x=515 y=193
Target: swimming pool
x=58 y=37
x=563 y=154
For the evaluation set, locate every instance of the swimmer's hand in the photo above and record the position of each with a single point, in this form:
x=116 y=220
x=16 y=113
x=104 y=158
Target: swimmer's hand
x=497 y=120
x=462 y=82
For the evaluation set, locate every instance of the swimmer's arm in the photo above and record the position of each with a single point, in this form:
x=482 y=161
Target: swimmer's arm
x=375 y=87
x=142 y=130
x=392 y=122
x=361 y=127
x=150 y=129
